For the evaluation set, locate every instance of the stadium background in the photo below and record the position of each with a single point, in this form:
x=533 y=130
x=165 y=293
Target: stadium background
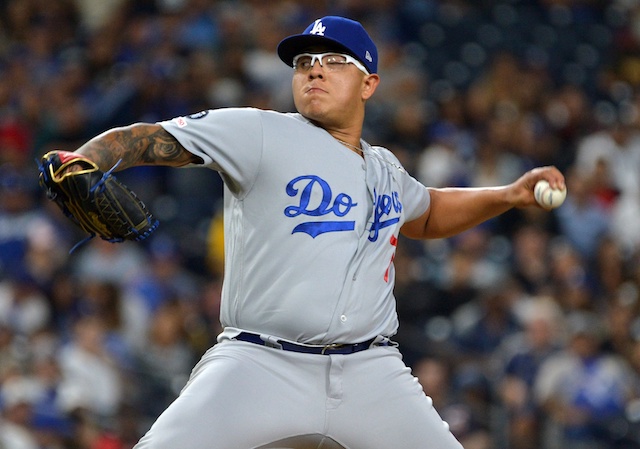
x=94 y=345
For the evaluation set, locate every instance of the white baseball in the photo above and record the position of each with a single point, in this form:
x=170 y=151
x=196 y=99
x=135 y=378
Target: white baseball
x=547 y=197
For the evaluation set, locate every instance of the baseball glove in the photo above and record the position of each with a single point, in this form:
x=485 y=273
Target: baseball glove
x=94 y=200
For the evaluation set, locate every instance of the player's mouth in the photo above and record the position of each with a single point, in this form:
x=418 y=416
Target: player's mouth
x=313 y=90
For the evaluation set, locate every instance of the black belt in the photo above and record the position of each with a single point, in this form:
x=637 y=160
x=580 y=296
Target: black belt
x=336 y=348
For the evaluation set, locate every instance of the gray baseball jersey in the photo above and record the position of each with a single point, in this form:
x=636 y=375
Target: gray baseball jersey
x=311 y=226
x=310 y=233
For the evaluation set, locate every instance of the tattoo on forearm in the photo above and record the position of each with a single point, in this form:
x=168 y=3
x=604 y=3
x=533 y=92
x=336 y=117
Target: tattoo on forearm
x=139 y=144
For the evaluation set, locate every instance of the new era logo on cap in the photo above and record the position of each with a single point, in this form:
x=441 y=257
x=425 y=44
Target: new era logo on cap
x=343 y=34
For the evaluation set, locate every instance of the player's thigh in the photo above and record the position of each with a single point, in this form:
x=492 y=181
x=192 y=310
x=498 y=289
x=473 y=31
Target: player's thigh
x=240 y=396
x=384 y=406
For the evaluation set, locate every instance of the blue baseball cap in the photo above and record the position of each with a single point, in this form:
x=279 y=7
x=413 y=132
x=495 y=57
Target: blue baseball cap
x=343 y=34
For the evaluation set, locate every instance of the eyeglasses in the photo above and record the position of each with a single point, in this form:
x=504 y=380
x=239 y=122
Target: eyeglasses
x=333 y=62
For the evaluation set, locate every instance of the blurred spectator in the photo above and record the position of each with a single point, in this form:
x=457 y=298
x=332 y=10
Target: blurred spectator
x=15 y=143
x=475 y=390
x=582 y=219
x=626 y=210
x=610 y=157
x=582 y=390
x=52 y=426
x=93 y=15
x=529 y=258
x=86 y=362
x=23 y=306
x=18 y=213
x=466 y=265
x=569 y=278
x=622 y=312
x=567 y=113
x=502 y=87
x=445 y=161
x=461 y=401
x=199 y=27
x=494 y=162
x=7 y=360
x=103 y=261
x=162 y=280
x=17 y=397
x=482 y=325
x=64 y=303
x=417 y=302
x=202 y=319
x=609 y=270
x=89 y=433
x=264 y=70
x=520 y=357
x=165 y=361
x=104 y=300
x=402 y=98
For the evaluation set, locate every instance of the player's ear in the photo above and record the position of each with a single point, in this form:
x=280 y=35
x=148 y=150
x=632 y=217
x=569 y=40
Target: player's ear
x=369 y=85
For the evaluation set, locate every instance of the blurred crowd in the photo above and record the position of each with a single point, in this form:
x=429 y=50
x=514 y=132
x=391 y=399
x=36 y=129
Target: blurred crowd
x=525 y=331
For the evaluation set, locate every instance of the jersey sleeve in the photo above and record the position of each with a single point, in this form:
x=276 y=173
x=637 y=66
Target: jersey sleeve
x=415 y=196
x=228 y=140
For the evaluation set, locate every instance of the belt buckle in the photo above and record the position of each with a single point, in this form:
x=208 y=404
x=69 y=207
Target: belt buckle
x=271 y=342
x=331 y=346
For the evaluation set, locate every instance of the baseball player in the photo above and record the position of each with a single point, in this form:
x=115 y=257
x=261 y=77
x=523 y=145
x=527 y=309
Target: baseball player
x=312 y=218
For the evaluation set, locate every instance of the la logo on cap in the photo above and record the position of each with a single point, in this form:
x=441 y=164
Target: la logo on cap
x=318 y=28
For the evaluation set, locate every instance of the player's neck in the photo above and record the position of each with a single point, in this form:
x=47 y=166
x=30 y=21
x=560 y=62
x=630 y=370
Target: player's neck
x=355 y=148
x=348 y=140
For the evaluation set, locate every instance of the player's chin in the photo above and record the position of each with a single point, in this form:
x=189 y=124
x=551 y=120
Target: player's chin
x=315 y=99
x=314 y=112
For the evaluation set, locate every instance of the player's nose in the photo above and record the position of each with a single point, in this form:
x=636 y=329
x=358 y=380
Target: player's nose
x=316 y=70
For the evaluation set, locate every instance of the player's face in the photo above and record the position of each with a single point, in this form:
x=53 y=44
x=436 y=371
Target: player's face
x=332 y=97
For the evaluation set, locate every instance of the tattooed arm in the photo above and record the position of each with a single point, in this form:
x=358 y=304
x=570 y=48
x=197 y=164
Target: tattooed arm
x=137 y=144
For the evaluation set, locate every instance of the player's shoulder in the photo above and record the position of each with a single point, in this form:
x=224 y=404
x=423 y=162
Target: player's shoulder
x=386 y=156
x=285 y=116
x=296 y=124
x=229 y=116
x=269 y=114
x=381 y=151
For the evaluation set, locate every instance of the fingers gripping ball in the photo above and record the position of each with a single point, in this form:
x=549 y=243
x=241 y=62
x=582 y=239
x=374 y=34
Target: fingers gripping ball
x=94 y=200
x=547 y=197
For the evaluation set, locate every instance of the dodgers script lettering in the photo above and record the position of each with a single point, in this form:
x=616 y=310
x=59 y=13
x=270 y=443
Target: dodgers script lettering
x=303 y=188
x=384 y=205
x=316 y=199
